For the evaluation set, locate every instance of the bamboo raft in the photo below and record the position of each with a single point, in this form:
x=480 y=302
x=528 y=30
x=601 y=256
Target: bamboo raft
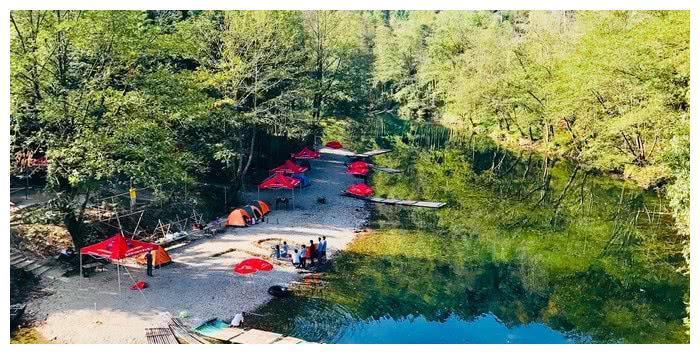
x=373 y=153
x=374 y=167
x=386 y=169
x=160 y=336
x=413 y=203
x=348 y=153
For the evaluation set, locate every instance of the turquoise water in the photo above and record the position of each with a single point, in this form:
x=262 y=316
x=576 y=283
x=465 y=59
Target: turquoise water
x=486 y=329
x=211 y=327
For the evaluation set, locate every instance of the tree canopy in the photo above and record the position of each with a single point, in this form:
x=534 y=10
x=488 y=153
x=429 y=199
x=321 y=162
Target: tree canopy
x=171 y=98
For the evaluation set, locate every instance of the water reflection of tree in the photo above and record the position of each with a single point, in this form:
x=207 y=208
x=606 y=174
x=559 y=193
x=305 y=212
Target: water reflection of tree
x=524 y=237
x=370 y=287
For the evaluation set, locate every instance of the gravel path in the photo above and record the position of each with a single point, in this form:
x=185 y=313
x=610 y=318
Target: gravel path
x=94 y=311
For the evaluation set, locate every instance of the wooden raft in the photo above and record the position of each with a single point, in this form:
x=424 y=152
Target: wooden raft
x=413 y=203
x=386 y=169
x=348 y=153
x=160 y=336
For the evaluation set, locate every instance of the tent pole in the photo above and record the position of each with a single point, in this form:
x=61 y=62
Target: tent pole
x=119 y=280
x=137 y=224
x=121 y=231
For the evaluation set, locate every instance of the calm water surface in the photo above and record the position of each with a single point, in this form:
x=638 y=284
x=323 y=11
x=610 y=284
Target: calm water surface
x=529 y=250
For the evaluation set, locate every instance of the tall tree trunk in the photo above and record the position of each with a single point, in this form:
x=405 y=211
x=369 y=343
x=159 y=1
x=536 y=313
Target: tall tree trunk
x=250 y=153
x=74 y=222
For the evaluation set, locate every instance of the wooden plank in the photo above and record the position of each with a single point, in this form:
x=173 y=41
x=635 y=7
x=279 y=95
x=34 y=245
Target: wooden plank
x=289 y=340
x=181 y=331
x=226 y=334
x=19 y=260
x=255 y=336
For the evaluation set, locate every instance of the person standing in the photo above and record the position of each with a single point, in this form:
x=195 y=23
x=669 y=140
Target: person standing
x=312 y=252
x=325 y=247
x=149 y=264
x=302 y=256
x=319 y=250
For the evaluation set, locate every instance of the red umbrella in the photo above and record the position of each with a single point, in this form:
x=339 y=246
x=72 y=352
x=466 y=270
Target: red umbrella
x=279 y=181
x=358 y=168
x=252 y=265
x=306 y=154
x=334 y=144
x=289 y=167
x=360 y=190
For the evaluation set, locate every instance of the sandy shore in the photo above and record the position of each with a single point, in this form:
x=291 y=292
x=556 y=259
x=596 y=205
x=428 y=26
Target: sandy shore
x=92 y=310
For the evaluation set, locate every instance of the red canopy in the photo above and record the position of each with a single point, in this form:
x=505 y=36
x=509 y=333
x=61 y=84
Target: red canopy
x=252 y=265
x=306 y=154
x=118 y=247
x=40 y=162
x=279 y=181
x=361 y=190
x=334 y=144
x=358 y=168
x=289 y=167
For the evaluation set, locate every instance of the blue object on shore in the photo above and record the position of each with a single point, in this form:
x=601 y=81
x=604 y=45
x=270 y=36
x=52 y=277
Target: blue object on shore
x=211 y=326
x=304 y=181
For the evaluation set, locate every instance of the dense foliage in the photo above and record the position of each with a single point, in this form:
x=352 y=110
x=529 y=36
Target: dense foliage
x=607 y=89
x=169 y=99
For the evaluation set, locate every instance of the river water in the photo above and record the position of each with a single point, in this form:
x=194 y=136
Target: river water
x=528 y=250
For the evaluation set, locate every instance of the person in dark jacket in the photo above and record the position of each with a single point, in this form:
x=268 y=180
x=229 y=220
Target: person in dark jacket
x=149 y=264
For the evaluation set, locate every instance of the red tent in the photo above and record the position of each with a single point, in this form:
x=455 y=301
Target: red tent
x=289 y=167
x=360 y=190
x=279 y=181
x=252 y=265
x=358 y=168
x=306 y=154
x=114 y=249
x=118 y=247
x=334 y=144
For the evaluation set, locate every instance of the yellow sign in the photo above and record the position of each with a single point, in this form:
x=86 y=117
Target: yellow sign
x=132 y=193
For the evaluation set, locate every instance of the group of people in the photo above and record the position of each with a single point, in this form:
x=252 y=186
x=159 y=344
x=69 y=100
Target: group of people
x=314 y=252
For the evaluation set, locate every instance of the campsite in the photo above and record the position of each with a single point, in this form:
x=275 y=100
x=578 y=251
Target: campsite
x=349 y=177
x=200 y=278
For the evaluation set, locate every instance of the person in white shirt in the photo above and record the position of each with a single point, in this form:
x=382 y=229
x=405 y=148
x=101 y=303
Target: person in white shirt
x=325 y=247
x=296 y=258
x=237 y=320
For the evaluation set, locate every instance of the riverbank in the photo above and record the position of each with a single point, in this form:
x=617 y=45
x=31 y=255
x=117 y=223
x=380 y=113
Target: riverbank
x=200 y=282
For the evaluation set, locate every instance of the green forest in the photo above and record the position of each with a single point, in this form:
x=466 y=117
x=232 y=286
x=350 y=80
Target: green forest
x=170 y=99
